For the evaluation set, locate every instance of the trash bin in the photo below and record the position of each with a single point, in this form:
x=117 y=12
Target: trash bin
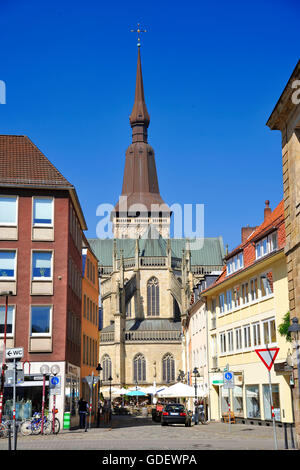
x=67 y=420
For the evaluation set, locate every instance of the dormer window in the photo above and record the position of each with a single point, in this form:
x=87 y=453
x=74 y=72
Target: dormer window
x=235 y=263
x=266 y=245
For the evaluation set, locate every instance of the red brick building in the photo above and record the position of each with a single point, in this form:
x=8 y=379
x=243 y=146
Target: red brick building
x=41 y=224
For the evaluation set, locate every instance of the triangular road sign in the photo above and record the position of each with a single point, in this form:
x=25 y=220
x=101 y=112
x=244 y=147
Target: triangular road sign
x=267 y=356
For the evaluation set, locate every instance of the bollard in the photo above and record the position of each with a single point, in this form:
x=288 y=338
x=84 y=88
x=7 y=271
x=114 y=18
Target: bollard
x=286 y=444
x=9 y=437
x=292 y=436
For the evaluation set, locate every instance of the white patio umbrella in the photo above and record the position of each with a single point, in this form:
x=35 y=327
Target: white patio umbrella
x=178 y=390
x=120 y=391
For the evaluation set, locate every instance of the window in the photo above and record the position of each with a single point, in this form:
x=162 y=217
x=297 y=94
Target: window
x=139 y=368
x=266 y=284
x=42 y=265
x=83 y=350
x=235 y=263
x=253 y=289
x=106 y=362
x=269 y=331
x=41 y=320
x=168 y=368
x=237 y=396
x=238 y=339
x=245 y=293
x=256 y=334
x=153 y=297
x=247 y=336
x=252 y=401
x=8 y=210
x=42 y=211
x=84 y=306
x=221 y=303
x=128 y=309
x=223 y=343
x=7 y=264
x=236 y=297
x=266 y=245
x=9 y=321
x=230 y=340
x=228 y=300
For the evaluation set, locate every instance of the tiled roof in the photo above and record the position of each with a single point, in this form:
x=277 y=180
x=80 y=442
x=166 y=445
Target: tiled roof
x=22 y=163
x=275 y=219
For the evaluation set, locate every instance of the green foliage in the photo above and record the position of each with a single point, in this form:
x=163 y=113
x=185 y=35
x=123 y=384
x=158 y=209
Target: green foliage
x=283 y=327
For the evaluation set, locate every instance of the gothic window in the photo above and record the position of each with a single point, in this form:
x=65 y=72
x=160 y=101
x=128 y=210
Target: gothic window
x=153 y=297
x=139 y=368
x=128 y=309
x=168 y=369
x=106 y=364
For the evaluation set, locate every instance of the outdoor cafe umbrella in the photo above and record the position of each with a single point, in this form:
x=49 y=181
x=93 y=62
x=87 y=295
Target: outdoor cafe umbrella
x=178 y=390
x=120 y=391
x=136 y=393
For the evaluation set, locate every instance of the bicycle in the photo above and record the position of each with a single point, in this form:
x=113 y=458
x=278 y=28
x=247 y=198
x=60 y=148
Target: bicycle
x=32 y=426
x=48 y=426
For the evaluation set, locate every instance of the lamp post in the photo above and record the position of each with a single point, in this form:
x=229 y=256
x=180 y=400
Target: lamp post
x=136 y=387
x=294 y=329
x=5 y=294
x=99 y=369
x=54 y=370
x=196 y=374
x=44 y=369
x=110 y=380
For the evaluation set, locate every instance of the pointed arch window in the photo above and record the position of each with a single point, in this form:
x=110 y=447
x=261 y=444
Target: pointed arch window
x=106 y=364
x=139 y=368
x=168 y=368
x=153 y=297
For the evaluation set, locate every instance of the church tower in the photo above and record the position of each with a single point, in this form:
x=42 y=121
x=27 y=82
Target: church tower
x=140 y=204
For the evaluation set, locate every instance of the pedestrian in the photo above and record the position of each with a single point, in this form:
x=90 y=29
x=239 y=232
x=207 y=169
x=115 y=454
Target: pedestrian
x=82 y=409
x=106 y=412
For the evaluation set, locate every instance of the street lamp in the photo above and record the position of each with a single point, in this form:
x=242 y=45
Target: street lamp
x=110 y=379
x=5 y=294
x=196 y=374
x=136 y=387
x=44 y=369
x=99 y=369
x=55 y=369
x=294 y=330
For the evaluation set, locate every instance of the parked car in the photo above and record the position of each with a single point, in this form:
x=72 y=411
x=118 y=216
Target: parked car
x=175 y=413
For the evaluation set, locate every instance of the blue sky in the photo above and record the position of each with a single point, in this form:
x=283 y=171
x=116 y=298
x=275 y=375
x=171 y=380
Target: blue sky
x=213 y=72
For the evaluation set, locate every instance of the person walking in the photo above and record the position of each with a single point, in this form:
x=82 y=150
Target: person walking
x=82 y=409
x=106 y=411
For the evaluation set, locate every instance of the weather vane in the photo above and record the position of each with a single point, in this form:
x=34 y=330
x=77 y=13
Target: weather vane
x=139 y=30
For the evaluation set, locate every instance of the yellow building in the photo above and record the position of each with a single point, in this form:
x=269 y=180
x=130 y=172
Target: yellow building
x=245 y=306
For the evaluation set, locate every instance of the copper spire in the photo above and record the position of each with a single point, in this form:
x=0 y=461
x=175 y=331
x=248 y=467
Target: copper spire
x=139 y=118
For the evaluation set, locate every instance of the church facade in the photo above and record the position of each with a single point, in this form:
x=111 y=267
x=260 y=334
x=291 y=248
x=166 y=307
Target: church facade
x=146 y=277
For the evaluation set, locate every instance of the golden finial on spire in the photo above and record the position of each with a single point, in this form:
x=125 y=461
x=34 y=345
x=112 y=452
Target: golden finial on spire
x=139 y=30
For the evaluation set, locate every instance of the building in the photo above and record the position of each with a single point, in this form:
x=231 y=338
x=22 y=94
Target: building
x=146 y=278
x=286 y=118
x=41 y=224
x=245 y=306
x=89 y=324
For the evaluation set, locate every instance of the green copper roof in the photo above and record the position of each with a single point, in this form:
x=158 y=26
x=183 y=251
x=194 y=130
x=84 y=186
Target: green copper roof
x=204 y=252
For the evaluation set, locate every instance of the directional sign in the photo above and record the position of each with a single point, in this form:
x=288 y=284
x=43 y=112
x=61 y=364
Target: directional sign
x=267 y=356
x=228 y=379
x=14 y=353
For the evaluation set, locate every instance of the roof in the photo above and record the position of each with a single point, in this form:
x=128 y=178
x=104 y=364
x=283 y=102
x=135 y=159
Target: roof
x=275 y=219
x=207 y=252
x=23 y=165
x=21 y=162
x=153 y=324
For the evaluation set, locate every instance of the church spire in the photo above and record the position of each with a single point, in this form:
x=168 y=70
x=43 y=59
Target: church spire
x=139 y=118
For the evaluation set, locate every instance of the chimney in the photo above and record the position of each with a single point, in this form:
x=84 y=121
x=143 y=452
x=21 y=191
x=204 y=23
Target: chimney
x=246 y=232
x=267 y=211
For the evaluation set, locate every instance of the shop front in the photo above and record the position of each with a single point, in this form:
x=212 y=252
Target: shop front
x=72 y=390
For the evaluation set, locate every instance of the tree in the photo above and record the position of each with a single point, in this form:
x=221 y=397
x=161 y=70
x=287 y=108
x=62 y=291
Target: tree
x=284 y=326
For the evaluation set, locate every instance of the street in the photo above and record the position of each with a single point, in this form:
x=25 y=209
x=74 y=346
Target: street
x=135 y=433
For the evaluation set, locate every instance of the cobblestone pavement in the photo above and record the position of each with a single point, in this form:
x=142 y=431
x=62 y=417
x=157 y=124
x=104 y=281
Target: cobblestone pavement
x=129 y=433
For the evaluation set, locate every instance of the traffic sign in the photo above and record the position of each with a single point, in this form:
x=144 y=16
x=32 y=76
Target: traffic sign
x=267 y=356
x=91 y=380
x=55 y=385
x=14 y=353
x=9 y=377
x=228 y=379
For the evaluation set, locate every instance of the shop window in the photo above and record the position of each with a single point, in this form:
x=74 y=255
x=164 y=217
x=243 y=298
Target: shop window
x=252 y=401
x=267 y=402
x=237 y=400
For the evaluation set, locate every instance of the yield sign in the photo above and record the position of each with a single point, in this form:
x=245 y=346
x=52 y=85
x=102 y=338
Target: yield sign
x=267 y=356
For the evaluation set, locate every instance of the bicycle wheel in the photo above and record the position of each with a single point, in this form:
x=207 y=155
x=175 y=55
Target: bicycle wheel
x=36 y=427
x=48 y=427
x=26 y=427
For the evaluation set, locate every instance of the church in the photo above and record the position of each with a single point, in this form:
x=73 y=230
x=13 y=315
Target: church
x=146 y=277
